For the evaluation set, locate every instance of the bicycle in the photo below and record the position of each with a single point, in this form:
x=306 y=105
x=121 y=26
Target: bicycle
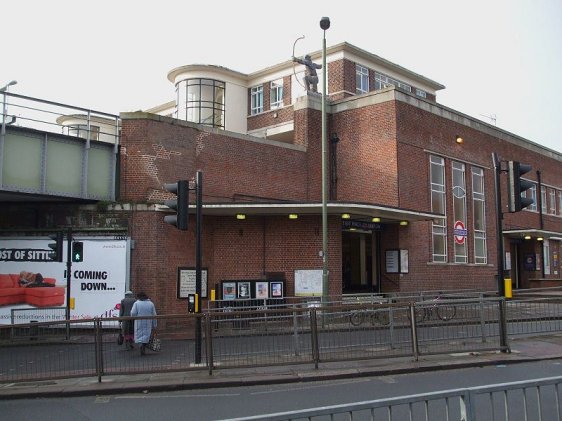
x=444 y=312
x=380 y=317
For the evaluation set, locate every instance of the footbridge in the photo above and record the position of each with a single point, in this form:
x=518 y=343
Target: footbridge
x=56 y=152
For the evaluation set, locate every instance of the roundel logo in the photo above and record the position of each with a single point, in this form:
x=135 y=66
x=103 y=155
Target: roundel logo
x=460 y=232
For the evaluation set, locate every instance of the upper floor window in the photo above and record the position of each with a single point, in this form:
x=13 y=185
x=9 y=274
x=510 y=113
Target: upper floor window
x=361 y=79
x=256 y=105
x=479 y=216
x=201 y=101
x=560 y=203
x=383 y=81
x=459 y=210
x=552 y=202
x=543 y=199
x=276 y=94
x=439 y=228
x=421 y=93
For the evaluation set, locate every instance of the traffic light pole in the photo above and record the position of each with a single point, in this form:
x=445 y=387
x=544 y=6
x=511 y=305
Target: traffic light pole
x=499 y=229
x=68 y=277
x=499 y=241
x=198 y=222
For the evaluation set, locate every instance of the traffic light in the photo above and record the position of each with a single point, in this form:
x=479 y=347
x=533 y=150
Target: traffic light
x=180 y=204
x=56 y=254
x=516 y=186
x=77 y=251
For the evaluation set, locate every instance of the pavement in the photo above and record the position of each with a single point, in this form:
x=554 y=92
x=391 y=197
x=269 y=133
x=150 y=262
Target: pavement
x=525 y=349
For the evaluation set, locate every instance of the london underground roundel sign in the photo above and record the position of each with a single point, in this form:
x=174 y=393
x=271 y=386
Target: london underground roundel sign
x=459 y=232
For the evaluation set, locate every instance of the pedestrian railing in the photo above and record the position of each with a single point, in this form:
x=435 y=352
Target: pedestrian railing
x=538 y=399
x=307 y=333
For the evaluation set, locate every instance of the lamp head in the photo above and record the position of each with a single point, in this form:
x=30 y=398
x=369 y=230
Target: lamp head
x=325 y=23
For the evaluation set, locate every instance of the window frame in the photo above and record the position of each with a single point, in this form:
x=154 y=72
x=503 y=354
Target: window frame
x=256 y=100
x=437 y=189
x=479 y=199
x=276 y=94
x=361 y=79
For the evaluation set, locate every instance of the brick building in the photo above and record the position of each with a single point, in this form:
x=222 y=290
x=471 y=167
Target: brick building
x=396 y=172
x=411 y=185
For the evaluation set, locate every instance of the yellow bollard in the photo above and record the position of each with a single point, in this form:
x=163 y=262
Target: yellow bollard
x=508 y=288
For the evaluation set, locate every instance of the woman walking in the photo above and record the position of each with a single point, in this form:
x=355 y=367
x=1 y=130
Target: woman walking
x=127 y=326
x=143 y=328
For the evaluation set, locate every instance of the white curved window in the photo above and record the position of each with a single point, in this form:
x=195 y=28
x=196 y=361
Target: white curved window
x=201 y=101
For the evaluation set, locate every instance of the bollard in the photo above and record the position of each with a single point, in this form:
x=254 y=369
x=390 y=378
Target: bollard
x=508 y=288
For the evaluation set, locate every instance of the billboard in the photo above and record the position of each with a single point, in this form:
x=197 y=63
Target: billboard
x=97 y=283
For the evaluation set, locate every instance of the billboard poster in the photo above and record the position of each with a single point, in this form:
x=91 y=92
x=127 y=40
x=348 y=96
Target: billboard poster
x=97 y=283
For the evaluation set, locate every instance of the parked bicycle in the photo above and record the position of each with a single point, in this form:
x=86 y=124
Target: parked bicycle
x=380 y=317
x=444 y=312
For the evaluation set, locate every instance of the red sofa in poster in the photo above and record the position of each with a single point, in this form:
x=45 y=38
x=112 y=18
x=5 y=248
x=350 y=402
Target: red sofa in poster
x=11 y=292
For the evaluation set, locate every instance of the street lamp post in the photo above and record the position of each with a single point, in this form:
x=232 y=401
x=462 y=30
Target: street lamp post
x=324 y=24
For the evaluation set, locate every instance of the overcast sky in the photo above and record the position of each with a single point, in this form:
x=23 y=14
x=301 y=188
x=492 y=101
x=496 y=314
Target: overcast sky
x=498 y=59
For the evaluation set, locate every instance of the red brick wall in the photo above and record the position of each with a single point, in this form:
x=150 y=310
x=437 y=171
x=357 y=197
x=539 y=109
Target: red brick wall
x=158 y=152
x=367 y=155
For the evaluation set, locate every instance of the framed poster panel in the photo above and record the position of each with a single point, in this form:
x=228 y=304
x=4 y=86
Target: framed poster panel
x=243 y=290
x=262 y=289
x=186 y=282
x=276 y=289
x=392 y=261
x=308 y=283
x=404 y=261
x=229 y=290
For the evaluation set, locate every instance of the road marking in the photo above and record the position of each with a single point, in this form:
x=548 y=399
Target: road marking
x=308 y=387
x=159 y=396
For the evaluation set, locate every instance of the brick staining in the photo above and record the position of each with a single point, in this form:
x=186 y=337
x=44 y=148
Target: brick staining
x=233 y=167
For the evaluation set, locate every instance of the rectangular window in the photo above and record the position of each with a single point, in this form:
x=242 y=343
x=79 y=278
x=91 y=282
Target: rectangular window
x=552 y=201
x=531 y=193
x=479 y=216
x=438 y=205
x=276 y=94
x=560 y=203
x=459 y=210
x=383 y=81
x=362 y=79
x=543 y=199
x=421 y=93
x=257 y=100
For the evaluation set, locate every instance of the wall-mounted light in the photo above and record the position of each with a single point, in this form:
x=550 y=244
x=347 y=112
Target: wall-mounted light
x=459 y=140
x=540 y=239
x=240 y=216
x=403 y=223
x=375 y=219
x=293 y=216
x=527 y=237
x=345 y=216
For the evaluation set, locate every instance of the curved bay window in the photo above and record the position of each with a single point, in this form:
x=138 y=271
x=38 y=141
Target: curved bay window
x=201 y=101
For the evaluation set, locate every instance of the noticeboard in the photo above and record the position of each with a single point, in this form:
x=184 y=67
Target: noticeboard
x=397 y=261
x=186 y=282
x=308 y=283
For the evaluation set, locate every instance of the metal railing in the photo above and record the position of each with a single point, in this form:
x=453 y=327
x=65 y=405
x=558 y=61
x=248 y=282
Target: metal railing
x=54 y=117
x=538 y=399
x=297 y=333
x=249 y=338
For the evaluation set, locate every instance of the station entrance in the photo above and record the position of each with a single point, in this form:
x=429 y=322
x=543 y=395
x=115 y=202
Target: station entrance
x=360 y=261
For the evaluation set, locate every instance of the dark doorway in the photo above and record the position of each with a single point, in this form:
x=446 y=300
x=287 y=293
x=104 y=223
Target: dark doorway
x=358 y=261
